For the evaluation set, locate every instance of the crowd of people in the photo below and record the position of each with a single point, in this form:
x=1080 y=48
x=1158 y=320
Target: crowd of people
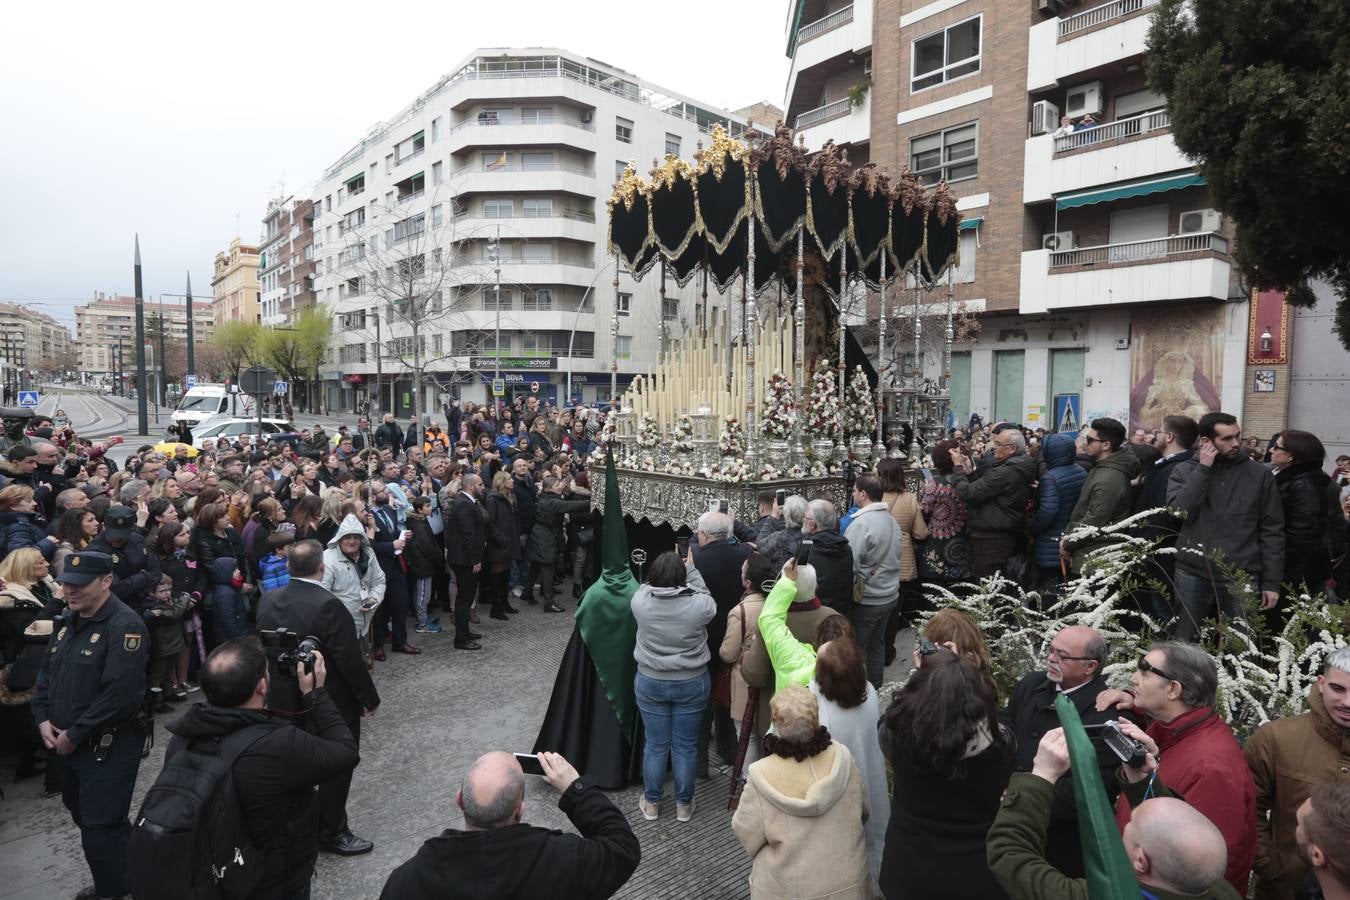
x=765 y=641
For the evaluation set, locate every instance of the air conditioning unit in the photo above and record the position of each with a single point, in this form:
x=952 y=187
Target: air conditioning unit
x=1059 y=240
x=1084 y=100
x=1200 y=221
x=586 y=116
x=1044 y=117
x=1049 y=7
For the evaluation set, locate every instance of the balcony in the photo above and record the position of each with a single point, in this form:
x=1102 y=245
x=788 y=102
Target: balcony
x=1124 y=150
x=413 y=155
x=560 y=223
x=839 y=121
x=538 y=131
x=837 y=19
x=1177 y=267
x=411 y=196
x=1059 y=49
x=1130 y=128
x=556 y=177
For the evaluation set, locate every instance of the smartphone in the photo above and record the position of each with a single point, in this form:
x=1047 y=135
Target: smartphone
x=682 y=547
x=780 y=497
x=723 y=505
x=529 y=763
x=926 y=646
x=804 y=552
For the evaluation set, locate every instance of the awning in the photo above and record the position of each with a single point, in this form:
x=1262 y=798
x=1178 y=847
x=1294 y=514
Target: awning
x=971 y=224
x=1124 y=191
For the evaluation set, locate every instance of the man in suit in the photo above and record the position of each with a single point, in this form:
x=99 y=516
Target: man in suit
x=466 y=549
x=305 y=607
x=718 y=558
x=388 y=543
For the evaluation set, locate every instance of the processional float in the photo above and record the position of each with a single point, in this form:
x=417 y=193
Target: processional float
x=727 y=412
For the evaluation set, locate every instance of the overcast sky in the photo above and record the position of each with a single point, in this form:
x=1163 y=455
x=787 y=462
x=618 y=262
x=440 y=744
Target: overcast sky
x=179 y=120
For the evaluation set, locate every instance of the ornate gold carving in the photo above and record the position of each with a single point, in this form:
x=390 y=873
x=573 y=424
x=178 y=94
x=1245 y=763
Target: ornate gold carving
x=627 y=189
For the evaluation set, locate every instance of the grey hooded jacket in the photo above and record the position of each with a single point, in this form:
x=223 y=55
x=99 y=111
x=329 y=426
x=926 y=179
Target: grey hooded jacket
x=342 y=577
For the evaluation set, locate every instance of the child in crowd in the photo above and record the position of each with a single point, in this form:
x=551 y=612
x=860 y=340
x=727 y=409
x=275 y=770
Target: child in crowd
x=424 y=558
x=273 y=566
x=164 y=614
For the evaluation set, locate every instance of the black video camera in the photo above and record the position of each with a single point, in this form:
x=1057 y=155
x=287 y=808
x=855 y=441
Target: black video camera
x=295 y=650
x=1127 y=749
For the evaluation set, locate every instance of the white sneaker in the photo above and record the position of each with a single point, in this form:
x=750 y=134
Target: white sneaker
x=684 y=813
x=649 y=810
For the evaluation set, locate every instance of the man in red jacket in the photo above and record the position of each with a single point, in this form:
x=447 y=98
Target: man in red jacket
x=1202 y=761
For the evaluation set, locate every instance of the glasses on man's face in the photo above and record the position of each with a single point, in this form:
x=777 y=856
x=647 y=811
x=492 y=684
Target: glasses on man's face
x=1093 y=440
x=1146 y=667
x=1063 y=656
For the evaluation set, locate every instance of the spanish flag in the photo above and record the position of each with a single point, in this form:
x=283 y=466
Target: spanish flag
x=499 y=162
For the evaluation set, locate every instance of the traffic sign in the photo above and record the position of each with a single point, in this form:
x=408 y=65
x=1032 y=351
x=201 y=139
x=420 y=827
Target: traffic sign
x=499 y=387
x=190 y=381
x=534 y=387
x=279 y=389
x=29 y=399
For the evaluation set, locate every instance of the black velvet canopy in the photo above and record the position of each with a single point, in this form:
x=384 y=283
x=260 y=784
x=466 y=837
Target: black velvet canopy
x=699 y=216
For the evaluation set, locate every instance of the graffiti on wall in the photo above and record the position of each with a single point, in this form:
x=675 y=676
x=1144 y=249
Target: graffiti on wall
x=1176 y=361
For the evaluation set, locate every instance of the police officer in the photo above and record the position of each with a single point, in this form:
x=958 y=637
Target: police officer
x=135 y=572
x=89 y=692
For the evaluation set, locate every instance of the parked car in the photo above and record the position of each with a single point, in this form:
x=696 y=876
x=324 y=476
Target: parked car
x=233 y=428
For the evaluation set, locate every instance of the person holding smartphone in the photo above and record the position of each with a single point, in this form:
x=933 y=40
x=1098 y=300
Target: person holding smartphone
x=1233 y=507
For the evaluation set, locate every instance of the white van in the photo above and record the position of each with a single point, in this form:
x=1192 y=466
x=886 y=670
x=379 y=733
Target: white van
x=203 y=403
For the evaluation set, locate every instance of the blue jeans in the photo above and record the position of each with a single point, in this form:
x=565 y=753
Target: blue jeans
x=869 y=626
x=1195 y=600
x=671 y=714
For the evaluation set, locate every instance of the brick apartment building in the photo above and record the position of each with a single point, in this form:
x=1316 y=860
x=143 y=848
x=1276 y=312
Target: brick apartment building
x=1101 y=273
x=286 y=267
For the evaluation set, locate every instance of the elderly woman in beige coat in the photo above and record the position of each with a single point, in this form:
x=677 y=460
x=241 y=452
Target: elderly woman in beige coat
x=802 y=813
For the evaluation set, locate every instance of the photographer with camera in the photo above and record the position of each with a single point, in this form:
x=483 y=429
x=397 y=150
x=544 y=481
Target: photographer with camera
x=1174 y=850
x=1175 y=687
x=306 y=607
x=276 y=767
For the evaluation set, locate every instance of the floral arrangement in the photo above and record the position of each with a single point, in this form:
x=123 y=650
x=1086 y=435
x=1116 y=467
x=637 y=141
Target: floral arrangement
x=682 y=437
x=822 y=408
x=731 y=442
x=1262 y=675
x=860 y=407
x=732 y=470
x=780 y=409
x=649 y=432
x=647 y=464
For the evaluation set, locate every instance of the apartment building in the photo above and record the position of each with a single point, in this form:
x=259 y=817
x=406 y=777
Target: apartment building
x=521 y=147
x=234 y=284
x=108 y=322
x=33 y=340
x=286 y=260
x=1102 y=275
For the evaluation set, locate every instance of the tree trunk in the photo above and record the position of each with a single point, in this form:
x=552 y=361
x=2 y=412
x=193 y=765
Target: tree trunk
x=417 y=381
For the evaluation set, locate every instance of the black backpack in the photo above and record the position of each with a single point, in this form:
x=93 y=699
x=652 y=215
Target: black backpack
x=189 y=841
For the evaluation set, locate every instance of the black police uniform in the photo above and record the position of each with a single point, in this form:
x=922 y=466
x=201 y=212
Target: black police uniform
x=136 y=571
x=92 y=685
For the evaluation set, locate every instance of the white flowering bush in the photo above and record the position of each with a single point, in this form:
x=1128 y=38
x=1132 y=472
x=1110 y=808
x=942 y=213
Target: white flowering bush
x=1262 y=676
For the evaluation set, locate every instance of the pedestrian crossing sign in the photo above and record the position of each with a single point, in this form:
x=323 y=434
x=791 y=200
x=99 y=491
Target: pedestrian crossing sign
x=279 y=388
x=28 y=399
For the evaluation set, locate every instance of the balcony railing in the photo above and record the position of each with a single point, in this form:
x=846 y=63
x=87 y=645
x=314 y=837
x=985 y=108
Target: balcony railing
x=1159 y=120
x=1154 y=250
x=1099 y=14
x=413 y=155
x=484 y=168
x=411 y=196
x=837 y=19
x=836 y=110
x=511 y=120
x=575 y=215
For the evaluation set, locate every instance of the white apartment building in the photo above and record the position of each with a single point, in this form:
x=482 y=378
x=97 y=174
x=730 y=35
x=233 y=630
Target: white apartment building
x=524 y=146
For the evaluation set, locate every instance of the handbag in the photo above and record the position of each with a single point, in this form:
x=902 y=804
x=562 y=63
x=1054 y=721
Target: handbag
x=721 y=682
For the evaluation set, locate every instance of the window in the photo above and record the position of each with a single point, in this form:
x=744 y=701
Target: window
x=672 y=144
x=494 y=116
x=536 y=115
x=537 y=207
x=624 y=302
x=437 y=172
x=619 y=168
x=436 y=215
x=435 y=129
x=413 y=146
x=532 y=341
x=965 y=273
x=670 y=308
x=623 y=347
x=536 y=252
x=435 y=305
x=538 y=301
x=356 y=185
x=353 y=220
x=536 y=161
x=500 y=160
x=437 y=345
x=623 y=130
x=410 y=228
x=388 y=163
x=947 y=55
x=499 y=208
x=952 y=154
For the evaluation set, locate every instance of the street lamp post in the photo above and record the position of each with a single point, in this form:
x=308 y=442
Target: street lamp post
x=142 y=412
